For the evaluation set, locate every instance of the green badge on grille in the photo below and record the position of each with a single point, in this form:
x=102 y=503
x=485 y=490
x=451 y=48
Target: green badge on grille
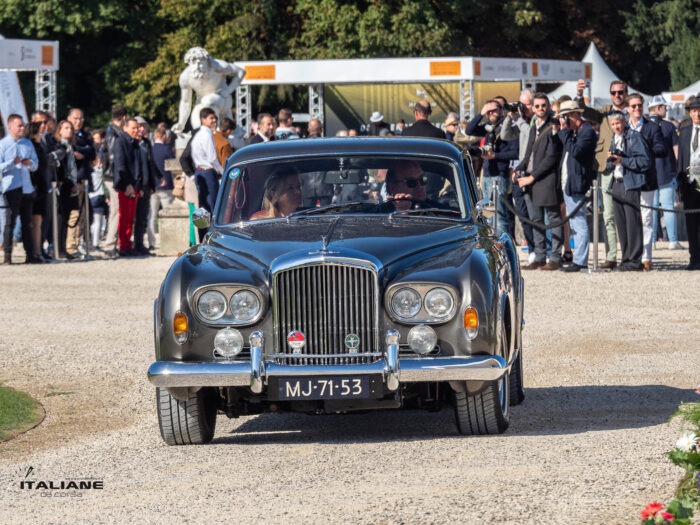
x=352 y=341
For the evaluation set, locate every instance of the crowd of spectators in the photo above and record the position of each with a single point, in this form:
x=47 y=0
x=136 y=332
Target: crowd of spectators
x=535 y=157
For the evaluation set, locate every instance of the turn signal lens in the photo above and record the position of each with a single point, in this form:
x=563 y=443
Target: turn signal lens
x=180 y=327
x=471 y=322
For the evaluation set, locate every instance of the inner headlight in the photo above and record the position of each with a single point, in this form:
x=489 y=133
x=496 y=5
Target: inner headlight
x=245 y=305
x=212 y=305
x=406 y=303
x=228 y=342
x=422 y=339
x=438 y=303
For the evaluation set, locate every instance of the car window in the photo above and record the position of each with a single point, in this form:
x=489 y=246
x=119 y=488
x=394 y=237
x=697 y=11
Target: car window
x=341 y=185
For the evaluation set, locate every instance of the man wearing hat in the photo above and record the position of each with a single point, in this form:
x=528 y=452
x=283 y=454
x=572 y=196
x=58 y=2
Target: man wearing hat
x=576 y=171
x=665 y=171
x=689 y=179
x=377 y=124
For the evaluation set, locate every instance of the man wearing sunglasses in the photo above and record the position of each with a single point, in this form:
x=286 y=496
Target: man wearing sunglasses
x=406 y=187
x=651 y=133
x=618 y=97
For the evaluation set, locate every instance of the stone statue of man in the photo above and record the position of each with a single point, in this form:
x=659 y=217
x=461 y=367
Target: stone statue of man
x=206 y=76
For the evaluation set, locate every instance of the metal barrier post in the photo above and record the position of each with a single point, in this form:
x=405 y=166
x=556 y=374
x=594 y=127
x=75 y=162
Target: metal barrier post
x=86 y=227
x=596 y=220
x=54 y=218
x=495 y=206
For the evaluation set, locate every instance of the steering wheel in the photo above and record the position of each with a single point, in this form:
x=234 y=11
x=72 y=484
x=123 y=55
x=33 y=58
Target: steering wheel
x=379 y=205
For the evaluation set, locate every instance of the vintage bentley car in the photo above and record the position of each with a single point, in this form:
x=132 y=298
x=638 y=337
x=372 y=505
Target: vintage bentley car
x=339 y=275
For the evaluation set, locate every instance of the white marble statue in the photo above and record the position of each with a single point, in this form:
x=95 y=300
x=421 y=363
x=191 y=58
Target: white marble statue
x=207 y=77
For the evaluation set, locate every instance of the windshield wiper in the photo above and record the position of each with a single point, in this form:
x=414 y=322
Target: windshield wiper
x=422 y=211
x=323 y=209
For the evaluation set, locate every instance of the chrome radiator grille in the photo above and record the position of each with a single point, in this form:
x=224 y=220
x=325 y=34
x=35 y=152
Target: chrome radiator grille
x=327 y=302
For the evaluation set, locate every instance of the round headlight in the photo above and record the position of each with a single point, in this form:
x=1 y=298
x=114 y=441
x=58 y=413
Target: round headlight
x=422 y=339
x=212 y=305
x=406 y=303
x=439 y=303
x=228 y=342
x=245 y=305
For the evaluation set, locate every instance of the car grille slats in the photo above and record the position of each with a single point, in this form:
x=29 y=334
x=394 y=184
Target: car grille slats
x=327 y=302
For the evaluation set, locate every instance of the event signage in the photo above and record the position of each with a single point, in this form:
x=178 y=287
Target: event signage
x=28 y=55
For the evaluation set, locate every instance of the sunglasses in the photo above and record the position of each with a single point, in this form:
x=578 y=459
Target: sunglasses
x=540 y=106
x=632 y=106
x=412 y=183
x=617 y=92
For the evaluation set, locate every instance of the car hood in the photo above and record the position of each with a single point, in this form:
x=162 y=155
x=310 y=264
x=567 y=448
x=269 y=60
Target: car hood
x=380 y=239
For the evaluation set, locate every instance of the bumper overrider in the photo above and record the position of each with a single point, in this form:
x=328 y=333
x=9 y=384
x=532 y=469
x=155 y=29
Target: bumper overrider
x=394 y=370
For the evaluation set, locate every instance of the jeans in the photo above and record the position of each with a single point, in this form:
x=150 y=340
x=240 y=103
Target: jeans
x=579 y=229
x=548 y=215
x=487 y=185
x=609 y=219
x=207 y=182
x=19 y=205
x=520 y=203
x=647 y=198
x=664 y=197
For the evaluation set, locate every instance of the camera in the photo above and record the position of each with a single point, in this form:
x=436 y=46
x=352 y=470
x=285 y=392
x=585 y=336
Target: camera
x=522 y=175
x=478 y=151
x=617 y=152
x=515 y=107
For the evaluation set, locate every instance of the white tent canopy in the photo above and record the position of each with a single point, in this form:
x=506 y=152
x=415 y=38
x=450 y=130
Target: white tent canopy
x=602 y=76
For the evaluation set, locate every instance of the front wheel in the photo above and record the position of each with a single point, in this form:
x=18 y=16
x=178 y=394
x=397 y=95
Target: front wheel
x=190 y=422
x=486 y=412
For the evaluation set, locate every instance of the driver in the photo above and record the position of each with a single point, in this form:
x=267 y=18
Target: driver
x=406 y=180
x=282 y=194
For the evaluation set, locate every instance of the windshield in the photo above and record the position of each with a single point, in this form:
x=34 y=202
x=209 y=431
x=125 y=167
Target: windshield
x=353 y=184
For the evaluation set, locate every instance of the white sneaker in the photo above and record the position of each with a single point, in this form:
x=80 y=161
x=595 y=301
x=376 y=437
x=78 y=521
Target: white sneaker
x=675 y=246
x=531 y=258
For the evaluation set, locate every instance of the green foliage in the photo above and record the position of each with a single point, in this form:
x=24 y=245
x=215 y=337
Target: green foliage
x=689 y=414
x=18 y=412
x=672 y=29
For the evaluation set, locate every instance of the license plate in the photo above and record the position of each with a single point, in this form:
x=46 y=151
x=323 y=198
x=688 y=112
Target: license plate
x=326 y=387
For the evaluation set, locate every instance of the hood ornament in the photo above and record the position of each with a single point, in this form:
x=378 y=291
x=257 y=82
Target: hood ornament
x=324 y=242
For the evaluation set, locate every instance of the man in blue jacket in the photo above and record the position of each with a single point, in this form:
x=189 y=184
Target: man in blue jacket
x=576 y=174
x=630 y=160
x=497 y=155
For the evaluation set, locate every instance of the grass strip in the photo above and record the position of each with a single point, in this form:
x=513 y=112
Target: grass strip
x=18 y=412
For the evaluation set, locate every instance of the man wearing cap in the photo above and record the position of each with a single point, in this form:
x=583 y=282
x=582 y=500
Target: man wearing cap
x=689 y=179
x=665 y=171
x=618 y=96
x=377 y=124
x=576 y=174
x=422 y=127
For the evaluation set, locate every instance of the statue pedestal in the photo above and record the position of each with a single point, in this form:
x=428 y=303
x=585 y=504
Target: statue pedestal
x=174 y=221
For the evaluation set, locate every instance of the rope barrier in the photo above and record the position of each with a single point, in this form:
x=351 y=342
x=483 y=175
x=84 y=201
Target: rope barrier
x=639 y=205
x=542 y=225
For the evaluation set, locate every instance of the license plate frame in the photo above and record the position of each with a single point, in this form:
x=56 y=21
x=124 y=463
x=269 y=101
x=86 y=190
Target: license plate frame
x=318 y=388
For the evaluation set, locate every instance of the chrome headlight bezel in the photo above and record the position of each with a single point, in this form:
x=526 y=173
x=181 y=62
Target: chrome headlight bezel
x=228 y=291
x=415 y=297
x=423 y=316
x=257 y=308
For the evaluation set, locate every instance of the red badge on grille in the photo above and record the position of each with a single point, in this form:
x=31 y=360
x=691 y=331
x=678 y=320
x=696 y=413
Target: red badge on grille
x=296 y=339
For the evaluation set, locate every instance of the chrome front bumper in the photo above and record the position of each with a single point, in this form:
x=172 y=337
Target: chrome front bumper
x=254 y=374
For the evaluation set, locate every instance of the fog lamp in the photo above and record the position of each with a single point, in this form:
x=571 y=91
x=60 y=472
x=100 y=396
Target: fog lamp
x=422 y=339
x=471 y=322
x=228 y=342
x=180 y=327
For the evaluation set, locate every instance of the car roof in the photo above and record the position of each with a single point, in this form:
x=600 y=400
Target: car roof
x=348 y=145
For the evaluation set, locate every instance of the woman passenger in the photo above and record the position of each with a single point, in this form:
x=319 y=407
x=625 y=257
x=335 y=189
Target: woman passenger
x=282 y=195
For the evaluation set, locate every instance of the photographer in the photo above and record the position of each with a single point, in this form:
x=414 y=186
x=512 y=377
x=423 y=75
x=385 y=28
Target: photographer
x=496 y=154
x=629 y=160
x=577 y=172
x=516 y=126
x=537 y=175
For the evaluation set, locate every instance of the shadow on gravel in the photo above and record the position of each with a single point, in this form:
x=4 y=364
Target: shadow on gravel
x=546 y=411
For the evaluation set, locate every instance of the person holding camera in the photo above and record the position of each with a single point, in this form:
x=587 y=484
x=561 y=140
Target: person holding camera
x=536 y=175
x=628 y=161
x=496 y=154
x=516 y=126
x=577 y=172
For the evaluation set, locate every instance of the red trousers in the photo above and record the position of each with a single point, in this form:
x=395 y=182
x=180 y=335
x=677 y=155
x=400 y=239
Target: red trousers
x=127 y=211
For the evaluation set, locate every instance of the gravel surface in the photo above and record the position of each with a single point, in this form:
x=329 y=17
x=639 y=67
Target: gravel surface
x=608 y=357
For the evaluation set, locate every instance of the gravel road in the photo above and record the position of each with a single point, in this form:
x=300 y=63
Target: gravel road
x=608 y=357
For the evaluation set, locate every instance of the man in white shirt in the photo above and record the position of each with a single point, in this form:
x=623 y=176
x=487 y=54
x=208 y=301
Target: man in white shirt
x=207 y=165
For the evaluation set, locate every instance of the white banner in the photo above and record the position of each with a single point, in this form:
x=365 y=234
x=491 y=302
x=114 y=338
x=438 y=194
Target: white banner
x=28 y=55
x=11 y=99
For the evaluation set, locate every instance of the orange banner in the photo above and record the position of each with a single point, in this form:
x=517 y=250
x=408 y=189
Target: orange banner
x=260 y=73
x=438 y=69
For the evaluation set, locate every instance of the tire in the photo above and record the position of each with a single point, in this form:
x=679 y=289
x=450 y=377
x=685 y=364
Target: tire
x=190 y=422
x=488 y=411
x=517 y=391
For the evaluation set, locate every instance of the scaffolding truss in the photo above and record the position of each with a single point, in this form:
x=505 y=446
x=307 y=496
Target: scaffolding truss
x=45 y=86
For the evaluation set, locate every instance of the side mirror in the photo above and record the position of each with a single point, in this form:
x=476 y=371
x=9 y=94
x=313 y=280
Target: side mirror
x=485 y=209
x=201 y=218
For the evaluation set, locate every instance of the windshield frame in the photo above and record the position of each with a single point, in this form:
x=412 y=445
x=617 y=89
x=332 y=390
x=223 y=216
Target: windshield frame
x=463 y=189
